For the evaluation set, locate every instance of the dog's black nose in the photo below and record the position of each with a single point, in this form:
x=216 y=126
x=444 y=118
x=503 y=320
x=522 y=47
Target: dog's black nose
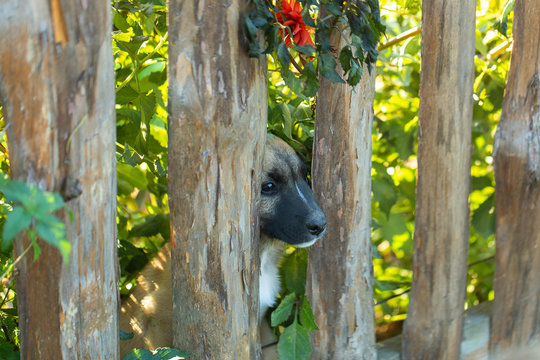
x=316 y=228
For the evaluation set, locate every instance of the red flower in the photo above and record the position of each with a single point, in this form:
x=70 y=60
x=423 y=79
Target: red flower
x=291 y=16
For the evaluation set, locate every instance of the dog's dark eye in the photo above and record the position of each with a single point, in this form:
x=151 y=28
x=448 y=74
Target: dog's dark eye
x=268 y=188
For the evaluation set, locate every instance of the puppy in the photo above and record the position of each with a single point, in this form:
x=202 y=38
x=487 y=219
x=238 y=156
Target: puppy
x=288 y=214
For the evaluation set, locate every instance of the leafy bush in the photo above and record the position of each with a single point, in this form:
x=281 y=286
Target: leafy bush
x=140 y=55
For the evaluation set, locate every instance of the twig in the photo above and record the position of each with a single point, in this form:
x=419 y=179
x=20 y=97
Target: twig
x=268 y=345
x=6 y=334
x=139 y=64
x=399 y=38
x=392 y=297
x=5 y=298
x=294 y=62
x=498 y=50
x=10 y=267
x=489 y=258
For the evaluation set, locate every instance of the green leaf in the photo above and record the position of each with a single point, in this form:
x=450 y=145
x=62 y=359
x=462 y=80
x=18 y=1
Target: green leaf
x=306 y=316
x=283 y=311
x=37 y=250
x=294 y=343
x=355 y=74
x=8 y=351
x=126 y=95
x=502 y=22
x=283 y=55
x=53 y=231
x=287 y=120
x=148 y=70
x=333 y=8
x=312 y=80
x=119 y=21
x=294 y=83
x=483 y=219
x=170 y=353
x=45 y=203
x=131 y=114
x=16 y=220
x=306 y=49
x=152 y=225
x=345 y=57
x=132 y=175
x=17 y=191
x=387 y=285
x=130 y=156
x=293 y=271
x=327 y=66
x=148 y=104
x=159 y=168
x=384 y=192
x=9 y=311
x=158 y=354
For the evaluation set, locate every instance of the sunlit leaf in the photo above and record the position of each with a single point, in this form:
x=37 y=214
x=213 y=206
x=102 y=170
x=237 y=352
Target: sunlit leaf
x=294 y=343
x=16 y=220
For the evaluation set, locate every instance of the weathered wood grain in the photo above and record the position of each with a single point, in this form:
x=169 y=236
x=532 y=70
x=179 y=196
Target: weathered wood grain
x=57 y=89
x=340 y=274
x=217 y=117
x=433 y=326
x=516 y=315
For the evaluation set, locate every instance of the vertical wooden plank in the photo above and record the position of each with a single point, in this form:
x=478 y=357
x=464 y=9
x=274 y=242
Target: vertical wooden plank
x=217 y=117
x=340 y=275
x=434 y=321
x=57 y=89
x=516 y=314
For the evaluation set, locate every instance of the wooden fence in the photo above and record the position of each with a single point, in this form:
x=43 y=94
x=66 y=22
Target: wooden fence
x=60 y=119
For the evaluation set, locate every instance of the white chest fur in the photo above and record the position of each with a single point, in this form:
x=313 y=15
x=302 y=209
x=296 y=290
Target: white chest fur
x=269 y=281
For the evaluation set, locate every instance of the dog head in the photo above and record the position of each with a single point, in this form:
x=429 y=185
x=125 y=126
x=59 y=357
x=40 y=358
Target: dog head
x=287 y=207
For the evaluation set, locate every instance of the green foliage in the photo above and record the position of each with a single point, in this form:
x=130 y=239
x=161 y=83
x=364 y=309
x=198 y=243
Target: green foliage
x=360 y=20
x=395 y=135
x=501 y=24
x=293 y=318
x=294 y=343
x=25 y=208
x=32 y=210
x=140 y=55
x=158 y=354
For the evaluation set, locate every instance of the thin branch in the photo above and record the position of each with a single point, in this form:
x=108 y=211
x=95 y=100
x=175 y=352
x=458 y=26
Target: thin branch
x=399 y=38
x=10 y=267
x=499 y=49
x=392 y=297
x=294 y=62
x=268 y=345
x=489 y=258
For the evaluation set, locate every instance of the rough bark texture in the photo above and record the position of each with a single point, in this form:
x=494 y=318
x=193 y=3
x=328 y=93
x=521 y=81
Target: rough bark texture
x=217 y=117
x=56 y=86
x=434 y=322
x=516 y=315
x=340 y=275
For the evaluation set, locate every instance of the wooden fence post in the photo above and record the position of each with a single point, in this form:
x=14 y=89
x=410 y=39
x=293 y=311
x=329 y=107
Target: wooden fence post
x=434 y=321
x=516 y=315
x=57 y=89
x=340 y=274
x=217 y=117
